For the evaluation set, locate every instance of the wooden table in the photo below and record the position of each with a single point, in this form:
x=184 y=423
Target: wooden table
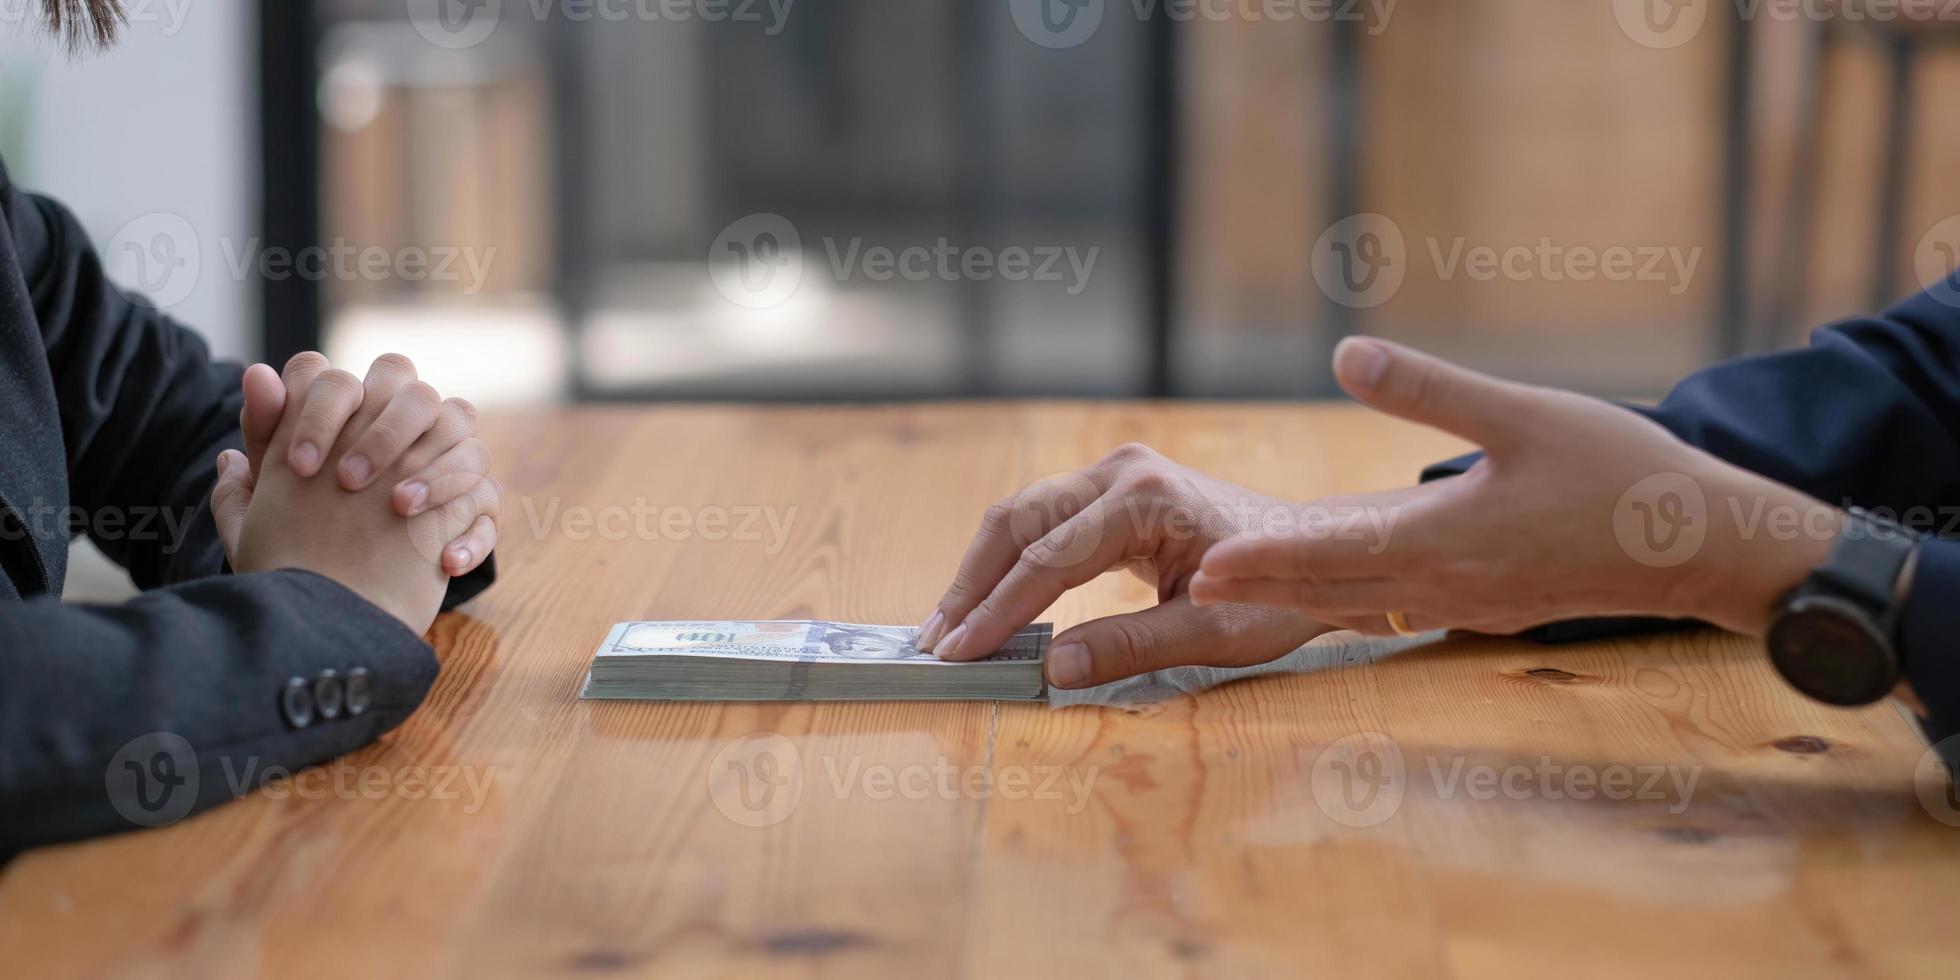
x=1225 y=830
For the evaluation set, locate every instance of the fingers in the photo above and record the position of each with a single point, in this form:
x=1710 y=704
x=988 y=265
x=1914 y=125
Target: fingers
x=1081 y=548
x=455 y=425
x=1346 y=601
x=442 y=480
x=231 y=497
x=1006 y=529
x=1406 y=383
x=1174 y=634
x=447 y=532
x=1308 y=559
x=1359 y=605
x=330 y=397
x=395 y=421
x=386 y=377
x=1376 y=624
x=297 y=376
x=410 y=411
x=300 y=371
x=467 y=552
x=265 y=404
x=455 y=422
x=1348 y=538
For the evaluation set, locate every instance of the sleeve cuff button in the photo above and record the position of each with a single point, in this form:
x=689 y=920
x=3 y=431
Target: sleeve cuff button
x=296 y=702
x=328 y=695
x=359 y=691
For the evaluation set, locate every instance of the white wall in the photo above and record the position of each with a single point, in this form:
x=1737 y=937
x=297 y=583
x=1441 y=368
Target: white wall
x=164 y=122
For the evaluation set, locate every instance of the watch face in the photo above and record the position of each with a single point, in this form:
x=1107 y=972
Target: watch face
x=1828 y=649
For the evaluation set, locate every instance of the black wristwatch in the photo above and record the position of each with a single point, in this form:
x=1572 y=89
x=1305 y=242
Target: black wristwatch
x=1834 y=636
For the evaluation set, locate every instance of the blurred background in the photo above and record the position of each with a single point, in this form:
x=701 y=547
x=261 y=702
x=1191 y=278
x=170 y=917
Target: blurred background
x=553 y=200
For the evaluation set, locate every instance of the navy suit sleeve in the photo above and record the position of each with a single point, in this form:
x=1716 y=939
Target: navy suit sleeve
x=1867 y=415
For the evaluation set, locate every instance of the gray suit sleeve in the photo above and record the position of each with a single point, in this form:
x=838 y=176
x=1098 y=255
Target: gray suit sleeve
x=116 y=718
x=119 y=717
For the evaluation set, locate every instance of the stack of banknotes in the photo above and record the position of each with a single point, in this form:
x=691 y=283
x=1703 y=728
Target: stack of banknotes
x=805 y=660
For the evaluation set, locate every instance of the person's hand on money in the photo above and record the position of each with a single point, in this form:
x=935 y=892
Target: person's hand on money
x=1133 y=509
x=392 y=423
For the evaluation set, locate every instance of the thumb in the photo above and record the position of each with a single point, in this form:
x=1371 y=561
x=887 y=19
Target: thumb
x=1175 y=634
x=231 y=498
x=1409 y=384
x=265 y=403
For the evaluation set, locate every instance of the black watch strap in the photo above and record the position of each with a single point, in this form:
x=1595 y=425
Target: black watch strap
x=1835 y=637
x=1865 y=564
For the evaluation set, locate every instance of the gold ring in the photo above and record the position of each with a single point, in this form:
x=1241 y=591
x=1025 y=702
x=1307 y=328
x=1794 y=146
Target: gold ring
x=1400 y=624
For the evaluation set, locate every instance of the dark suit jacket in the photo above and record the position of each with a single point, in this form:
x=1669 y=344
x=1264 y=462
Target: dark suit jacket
x=134 y=715
x=1868 y=414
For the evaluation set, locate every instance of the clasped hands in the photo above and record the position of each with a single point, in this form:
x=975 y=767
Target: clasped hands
x=379 y=483
x=1537 y=531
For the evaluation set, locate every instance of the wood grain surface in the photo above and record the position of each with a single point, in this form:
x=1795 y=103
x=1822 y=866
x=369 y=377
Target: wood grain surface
x=1464 y=807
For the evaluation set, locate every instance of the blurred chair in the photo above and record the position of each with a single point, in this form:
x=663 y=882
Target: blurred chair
x=1905 y=33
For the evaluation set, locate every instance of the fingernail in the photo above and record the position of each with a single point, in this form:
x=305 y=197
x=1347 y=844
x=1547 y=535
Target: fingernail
x=1362 y=362
x=934 y=628
x=306 y=457
x=356 y=469
x=418 y=497
x=1068 y=665
x=224 y=463
x=1200 y=590
x=459 y=557
x=950 y=650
